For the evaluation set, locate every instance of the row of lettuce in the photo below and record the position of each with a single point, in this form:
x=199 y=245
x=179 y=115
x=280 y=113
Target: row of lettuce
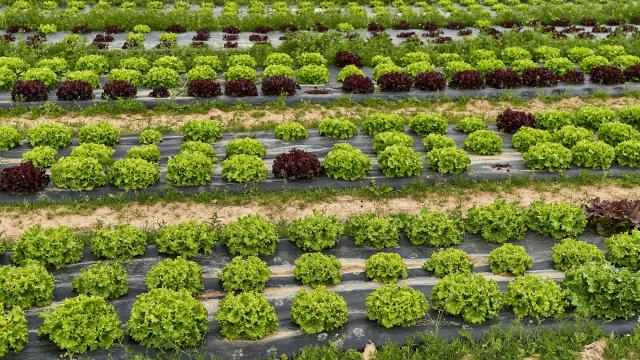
x=515 y=67
x=595 y=285
x=305 y=14
x=551 y=140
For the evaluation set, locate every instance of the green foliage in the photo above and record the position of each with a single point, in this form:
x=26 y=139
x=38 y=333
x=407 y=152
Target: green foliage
x=45 y=75
x=434 y=228
x=385 y=68
x=624 y=250
x=593 y=154
x=348 y=71
x=10 y=137
x=615 y=132
x=448 y=160
x=438 y=141
x=576 y=54
x=246 y=316
x=472 y=296
x=344 y=162
x=162 y=77
x=551 y=157
x=318 y=310
x=134 y=174
x=484 y=66
x=246 y=146
x=594 y=117
x=176 y=274
x=239 y=274
x=533 y=296
x=554 y=119
x=386 y=268
x=424 y=124
x=129 y=75
x=313 y=74
x=15 y=64
x=102 y=153
x=199 y=146
x=380 y=122
x=54 y=135
x=102 y=279
x=628 y=153
x=483 y=142
x=414 y=57
x=315 y=232
x=82 y=323
x=497 y=222
x=201 y=72
x=87 y=76
x=135 y=63
x=250 y=235
x=598 y=289
x=630 y=115
x=14 y=332
x=521 y=65
x=96 y=63
x=372 y=230
x=471 y=124
x=190 y=169
x=526 y=137
x=592 y=61
x=393 y=305
x=40 y=156
x=202 y=130
x=186 y=239
x=337 y=128
x=99 y=133
x=242 y=59
x=276 y=58
x=78 y=173
x=180 y=320
x=315 y=269
x=453 y=67
x=170 y=62
x=26 y=286
x=244 y=168
x=277 y=70
x=150 y=153
x=560 y=65
x=448 y=261
x=50 y=246
x=7 y=79
x=241 y=72
x=509 y=258
x=511 y=54
x=400 y=161
x=570 y=253
x=289 y=131
x=570 y=135
x=558 y=220
x=150 y=137
x=387 y=138
x=121 y=242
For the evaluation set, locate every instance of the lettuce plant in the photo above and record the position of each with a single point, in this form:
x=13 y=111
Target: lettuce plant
x=160 y=76
x=533 y=296
x=315 y=232
x=628 y=153
x=570 y=135
x=387 y=138
x=372 y=230
x=431 y=81
x=102 y=279
x=95 y=322
x=296 y=165
x=548 y=156
x=150 y=153
x=616 y=132
x=190 y=169
x=54 y=135
x=121 y=242
x=318 y=310
x=558 y=219
x=278 y=86
x=554 y=119
x=344 y=162
x=471 y=124
x=349 y=70
x=186 y=239
x=75 y=90
x=471 y=296
x=400 y=161
x=8 y=79
x=96 y=63
x=99 y=133
x=40 y=156
x=424 y=124
x=570 y=253
x=244 y=168
x=434 y=228
x=594 y=117
x=87 y=76
x=29 y=91
x=250 y=235
x=337 y=128
x=200 y=147
x=246 y=316
x=448 y=261
x=120 y=89
x=386 y=268
x=623 y=249
x=313 y=74
x=509 y=258
x=593 y=154
x=497 y=222
x=526 y=137
x=50 y=246
x=240 y=275
x=448 y=160
x=181 y=320
x=247 y=146
x=133 y=174
x=380 y=122
x=100 y=152
x=202 y=130
x=315 y=269
x=10 y=137
x=150 y=137
x=289 y=131
x=393 y=305
x=26 y=286
x=510 y=121
x=78 y=173
x=45 y=75
x=483 y=142
x=132 y=76
x=176 y=274
x=14 y=332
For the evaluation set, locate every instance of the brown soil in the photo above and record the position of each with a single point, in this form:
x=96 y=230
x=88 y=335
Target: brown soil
x=594 y=351
x=154 y=216
x=369 y=352
x=256 y=117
